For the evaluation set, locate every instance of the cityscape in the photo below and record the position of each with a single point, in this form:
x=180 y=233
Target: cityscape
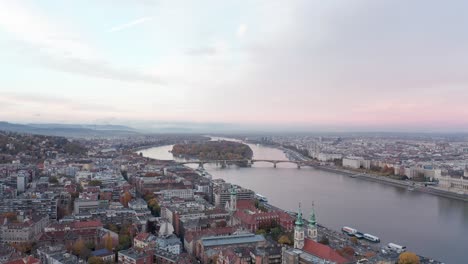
x=233 y=132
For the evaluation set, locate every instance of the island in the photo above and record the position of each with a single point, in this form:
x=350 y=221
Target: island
x=214 y=150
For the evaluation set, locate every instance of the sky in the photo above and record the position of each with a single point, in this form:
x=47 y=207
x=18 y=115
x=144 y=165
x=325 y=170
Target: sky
x=387 y=65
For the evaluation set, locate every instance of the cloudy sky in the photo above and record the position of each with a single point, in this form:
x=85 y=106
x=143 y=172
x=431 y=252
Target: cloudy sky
x=334 y=64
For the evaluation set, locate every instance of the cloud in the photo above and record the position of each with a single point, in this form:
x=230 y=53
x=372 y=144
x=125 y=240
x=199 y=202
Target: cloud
x=59 y=47
x=130 y=24
x=201 y=51
x=241 y=30
x=26 y=107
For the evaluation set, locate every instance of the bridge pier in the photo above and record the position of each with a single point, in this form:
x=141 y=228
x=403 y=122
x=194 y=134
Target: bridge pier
x=200 y=165
x=223 y=164
x=274 y=165
x=298 y=165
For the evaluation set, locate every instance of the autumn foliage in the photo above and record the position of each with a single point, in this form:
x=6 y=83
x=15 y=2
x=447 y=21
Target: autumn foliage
x=214 y=150
x=408 y=258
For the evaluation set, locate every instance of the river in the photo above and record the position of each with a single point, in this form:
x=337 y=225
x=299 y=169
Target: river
x=431 y=226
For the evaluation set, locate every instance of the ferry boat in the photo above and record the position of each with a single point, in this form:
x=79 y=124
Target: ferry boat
x=349 y=231
x=396 y=247
x=372 y=238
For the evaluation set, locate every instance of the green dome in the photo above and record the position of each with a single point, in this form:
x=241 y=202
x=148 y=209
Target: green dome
x=312 y=221
x=233 y=190
x=299 y=220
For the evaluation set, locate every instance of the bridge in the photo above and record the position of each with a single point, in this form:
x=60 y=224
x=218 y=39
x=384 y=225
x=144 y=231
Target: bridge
x=249 y=162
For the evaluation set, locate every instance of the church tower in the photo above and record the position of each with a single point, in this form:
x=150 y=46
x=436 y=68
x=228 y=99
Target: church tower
x=233 y=200
x=299 y=230
x=231 y=206
x=312 y=226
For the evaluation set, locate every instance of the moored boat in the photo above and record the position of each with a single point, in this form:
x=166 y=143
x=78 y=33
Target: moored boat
x=372 y=238
x=349 y=230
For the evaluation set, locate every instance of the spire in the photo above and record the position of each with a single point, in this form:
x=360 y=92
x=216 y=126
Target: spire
x=299 y=221
x=233 y=190
x=312 y=221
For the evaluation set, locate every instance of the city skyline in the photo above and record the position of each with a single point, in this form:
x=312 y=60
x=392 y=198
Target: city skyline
x=334 y=65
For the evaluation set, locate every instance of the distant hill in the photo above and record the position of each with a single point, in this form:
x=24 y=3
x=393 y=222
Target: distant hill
x=69 y=130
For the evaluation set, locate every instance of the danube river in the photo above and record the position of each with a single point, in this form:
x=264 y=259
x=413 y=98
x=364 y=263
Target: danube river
x=429 y=225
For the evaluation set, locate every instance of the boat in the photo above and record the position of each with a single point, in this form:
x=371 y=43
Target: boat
x=372 y=238
x=396 y=247
x=359 y=235
x=410 y=188
x=349 y=231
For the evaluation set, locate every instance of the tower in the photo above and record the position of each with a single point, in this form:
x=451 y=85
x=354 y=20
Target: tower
x=231 y=206
x=233 y=200
x=299 y=230
x=312 y=226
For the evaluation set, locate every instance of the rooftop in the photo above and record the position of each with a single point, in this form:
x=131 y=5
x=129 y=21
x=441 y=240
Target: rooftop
x=232 y=239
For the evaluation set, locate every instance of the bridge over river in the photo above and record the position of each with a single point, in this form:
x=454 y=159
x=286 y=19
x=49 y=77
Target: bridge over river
x=249 y=162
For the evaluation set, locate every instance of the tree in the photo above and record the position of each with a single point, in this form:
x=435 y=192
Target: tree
x=53 y=180
x=127 y=197
x=113 y=228
x=284 y=240
x=275 y=232
x=108 y=242
x=95 y=260
x=408 y=258
x=261 y=232
x=124 y=241
x=80 y=249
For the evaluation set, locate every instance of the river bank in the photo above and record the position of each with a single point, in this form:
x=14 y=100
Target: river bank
x=396 y=183
x=410 y=185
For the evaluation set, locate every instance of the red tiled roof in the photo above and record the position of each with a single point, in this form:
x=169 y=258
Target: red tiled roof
x=16 y=261
x=246 y=204
x=87 y=224
x=323 y=251
x=26 y=260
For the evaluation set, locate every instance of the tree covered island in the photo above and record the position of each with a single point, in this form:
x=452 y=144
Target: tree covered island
x=213 y=150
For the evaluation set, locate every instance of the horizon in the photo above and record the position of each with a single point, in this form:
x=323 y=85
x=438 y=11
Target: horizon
x=392 y=66
x=231 y=129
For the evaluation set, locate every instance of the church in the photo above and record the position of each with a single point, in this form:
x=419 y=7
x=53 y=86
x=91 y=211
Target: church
x=306 y=248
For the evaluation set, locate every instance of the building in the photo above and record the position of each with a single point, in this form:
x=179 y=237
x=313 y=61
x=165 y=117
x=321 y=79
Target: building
x=26 y=229
x=85 y=206
x=222 y=193
x=104 y=254
x=133 y=256
x=144 y=241
x=170 y=244
x=21 y=182
x=215 y=244
x=56 y=254
x=252 y=219
x=138 y=204
x=459 y=185
x=186 y=194
x=306 y=250
x=356 y=163
x=42 y=206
